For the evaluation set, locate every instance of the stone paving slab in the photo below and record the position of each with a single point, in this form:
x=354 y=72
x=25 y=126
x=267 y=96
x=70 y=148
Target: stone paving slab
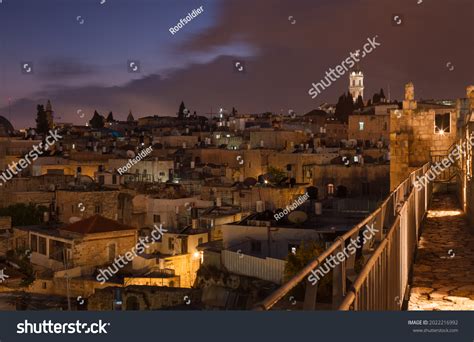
x=443 y=274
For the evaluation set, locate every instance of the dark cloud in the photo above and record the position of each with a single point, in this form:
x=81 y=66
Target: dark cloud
x=290 y=57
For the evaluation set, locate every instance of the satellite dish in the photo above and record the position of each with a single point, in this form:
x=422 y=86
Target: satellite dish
x=352 y=142
x=130 y=154
x=297 y=217
x=52 y=187
x=74 y=219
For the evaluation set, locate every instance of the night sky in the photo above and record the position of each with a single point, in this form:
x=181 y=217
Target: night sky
x=84 y=66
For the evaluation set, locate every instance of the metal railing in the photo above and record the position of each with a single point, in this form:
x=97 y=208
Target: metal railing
x=382 y=282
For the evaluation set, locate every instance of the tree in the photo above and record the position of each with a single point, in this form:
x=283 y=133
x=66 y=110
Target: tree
x=110 y=117
x=359 y=103
x=344 y=107
x=375 y=98
x=275 y=175
x=182 y=108
x=42 y=125
x=97 y=121
x=24 y=215
x=305 y=253
x=382 y=95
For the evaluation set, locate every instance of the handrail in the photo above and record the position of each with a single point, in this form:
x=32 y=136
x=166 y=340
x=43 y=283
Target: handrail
x=284 y=289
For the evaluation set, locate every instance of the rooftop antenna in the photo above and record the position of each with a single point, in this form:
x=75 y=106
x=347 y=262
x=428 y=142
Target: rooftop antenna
x=211 y=113
x=9 y=108
x=388 y=87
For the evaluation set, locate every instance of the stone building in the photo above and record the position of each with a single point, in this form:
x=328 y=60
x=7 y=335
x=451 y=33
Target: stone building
x=369 y=128
x=359 y=180
x=334 y=132
x=79 y=247
x=418 y=133
x=277 y=139
x=77 y=204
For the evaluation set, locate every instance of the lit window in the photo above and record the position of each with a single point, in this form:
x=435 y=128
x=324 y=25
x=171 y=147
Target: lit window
x=442 y=123
x=361 y=125
x=330 y=189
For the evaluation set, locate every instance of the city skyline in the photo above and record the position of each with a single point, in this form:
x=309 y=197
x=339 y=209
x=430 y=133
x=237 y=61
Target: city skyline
x=83 y=65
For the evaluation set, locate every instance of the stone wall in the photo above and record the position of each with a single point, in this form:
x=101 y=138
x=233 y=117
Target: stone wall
x=368 y=179
x=375 y=127
x=277 y=140
x=37 y=197
x=143 y=298
x=104 y=203
x=94 y=249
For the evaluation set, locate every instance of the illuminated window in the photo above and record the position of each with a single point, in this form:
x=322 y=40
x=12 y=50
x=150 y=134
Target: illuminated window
x=442 y=123
x=361 y=125
x=330 y=189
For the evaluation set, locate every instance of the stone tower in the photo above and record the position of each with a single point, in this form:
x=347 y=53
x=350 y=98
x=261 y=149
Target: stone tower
x=356 y=83
x=414 y=139
x=49 y=115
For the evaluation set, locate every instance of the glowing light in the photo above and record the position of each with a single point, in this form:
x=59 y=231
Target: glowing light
x=444 y=213
x=441 y=131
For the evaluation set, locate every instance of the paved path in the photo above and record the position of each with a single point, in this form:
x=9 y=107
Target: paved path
x=443 y=276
